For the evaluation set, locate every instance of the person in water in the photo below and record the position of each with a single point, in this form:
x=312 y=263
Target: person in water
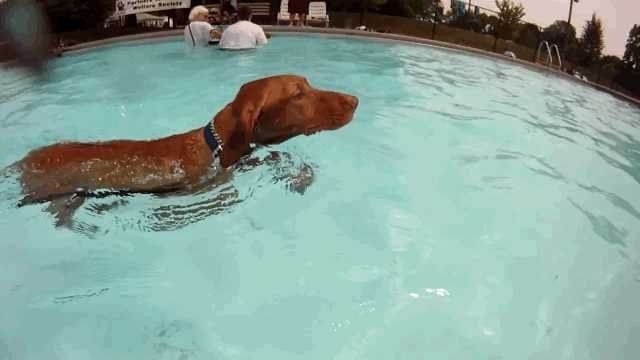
x=198 y=33
x=243 y=34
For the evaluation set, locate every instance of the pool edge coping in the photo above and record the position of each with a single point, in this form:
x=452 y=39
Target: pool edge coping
x=361 y=34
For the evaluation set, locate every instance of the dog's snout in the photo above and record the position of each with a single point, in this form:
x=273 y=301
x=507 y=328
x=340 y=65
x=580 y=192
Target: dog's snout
x=350 y=102
x=354 y=100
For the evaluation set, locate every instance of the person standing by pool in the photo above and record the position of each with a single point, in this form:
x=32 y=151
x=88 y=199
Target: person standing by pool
x=199 y=32
x=243 y=34
x=298 y=8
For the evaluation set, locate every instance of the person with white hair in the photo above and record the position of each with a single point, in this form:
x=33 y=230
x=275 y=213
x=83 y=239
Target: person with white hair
x=199 y=32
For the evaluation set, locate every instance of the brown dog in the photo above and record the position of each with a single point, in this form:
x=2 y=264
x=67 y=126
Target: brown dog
x=265 y=111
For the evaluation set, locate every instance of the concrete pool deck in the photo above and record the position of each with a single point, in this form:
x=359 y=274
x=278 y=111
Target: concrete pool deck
x=410 y=40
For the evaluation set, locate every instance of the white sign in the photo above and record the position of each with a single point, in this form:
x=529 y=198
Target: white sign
x=126 y=7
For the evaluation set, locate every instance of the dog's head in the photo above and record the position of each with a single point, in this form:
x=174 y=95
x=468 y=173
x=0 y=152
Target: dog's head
x=274 y=109
x=296 y=108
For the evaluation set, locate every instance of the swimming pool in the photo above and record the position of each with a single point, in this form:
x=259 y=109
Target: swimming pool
x=473 y=209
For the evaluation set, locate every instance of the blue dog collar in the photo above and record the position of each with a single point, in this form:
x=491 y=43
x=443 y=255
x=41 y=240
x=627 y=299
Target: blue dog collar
x=212 y=139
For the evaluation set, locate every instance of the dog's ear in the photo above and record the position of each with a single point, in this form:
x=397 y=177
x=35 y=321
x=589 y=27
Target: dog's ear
x=246 y=114
x=245 y=109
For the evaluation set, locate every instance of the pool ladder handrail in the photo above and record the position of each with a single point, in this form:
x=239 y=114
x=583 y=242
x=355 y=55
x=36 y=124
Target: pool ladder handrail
x=555 y=46
x=549 y=60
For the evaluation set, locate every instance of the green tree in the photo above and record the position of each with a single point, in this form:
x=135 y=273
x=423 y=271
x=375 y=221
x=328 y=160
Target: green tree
x=610 y=59
x=628 y=71
x=490 y=23
x=628 y=79
x=416 y=7
x=77 y=14
x=529 y=35
x=591 y=42
x=404 y=8
x=607 y=67
x=338 y=5
x=463 y=22
x=424 y=8
x=353 y=5
x=562 y=34
x=632 y=53
x=434 y=8
x=509 y=15
x=362 y=6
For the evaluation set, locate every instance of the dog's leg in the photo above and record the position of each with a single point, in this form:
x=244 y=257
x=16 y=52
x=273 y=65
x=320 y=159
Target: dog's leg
x=100 y=209
x=297 y=176
x=173 y=217
x=38 y=198
x=300 y=182
x=9 y=183
x=63 y=208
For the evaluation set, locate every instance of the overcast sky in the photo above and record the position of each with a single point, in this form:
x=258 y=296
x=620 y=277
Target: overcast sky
x=618 y=16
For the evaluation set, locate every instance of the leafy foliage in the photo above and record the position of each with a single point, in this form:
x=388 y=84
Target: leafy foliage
x=528 y=35
x=67 y=15
x=562 y=34
x=509 y=15
x=591 y=42
x=632 y=53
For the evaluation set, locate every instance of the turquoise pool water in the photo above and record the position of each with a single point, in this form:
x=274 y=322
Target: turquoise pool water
x=473 y=209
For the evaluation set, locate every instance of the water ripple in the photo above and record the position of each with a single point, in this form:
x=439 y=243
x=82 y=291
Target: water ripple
x=174 y=217
x=632 y=170
x=547 y=169
x=376 y=237
x=548 y=128
x=603 y=227
x=614 y=199
x=99 y=216
x=72 y=298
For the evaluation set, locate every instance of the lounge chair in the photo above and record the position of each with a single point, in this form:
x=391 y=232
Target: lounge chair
x=318 y=13
x=283 y=14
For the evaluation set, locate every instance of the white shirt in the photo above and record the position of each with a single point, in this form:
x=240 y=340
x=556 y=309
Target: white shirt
x=242 y=35
x=200 y=31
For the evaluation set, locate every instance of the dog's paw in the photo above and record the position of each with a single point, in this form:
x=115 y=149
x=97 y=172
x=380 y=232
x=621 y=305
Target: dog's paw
x=299 y=183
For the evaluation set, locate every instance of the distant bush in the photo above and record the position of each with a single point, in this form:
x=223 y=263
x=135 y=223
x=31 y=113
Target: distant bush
x=66 y=15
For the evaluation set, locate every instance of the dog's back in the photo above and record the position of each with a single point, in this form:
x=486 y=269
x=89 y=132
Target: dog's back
x=123 y=165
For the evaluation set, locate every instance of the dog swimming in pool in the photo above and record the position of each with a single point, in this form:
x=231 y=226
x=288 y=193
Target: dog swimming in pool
x=267 y=111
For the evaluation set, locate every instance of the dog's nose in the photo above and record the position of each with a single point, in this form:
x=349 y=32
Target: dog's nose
x=355 y=101
x=351 y=101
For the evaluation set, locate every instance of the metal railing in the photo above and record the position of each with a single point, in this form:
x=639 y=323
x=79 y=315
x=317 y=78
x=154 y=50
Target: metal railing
x=549 y=59
x=555 y=46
